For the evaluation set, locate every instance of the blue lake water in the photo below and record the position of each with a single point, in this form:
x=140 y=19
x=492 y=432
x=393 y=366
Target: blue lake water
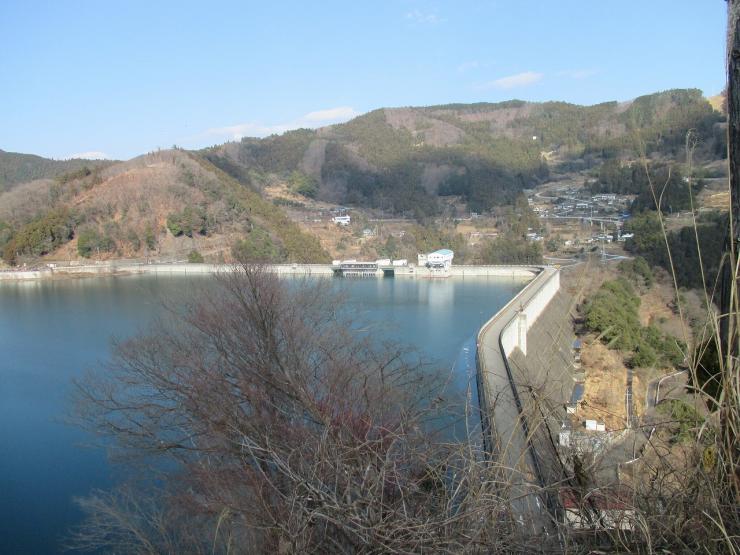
x=52 y=331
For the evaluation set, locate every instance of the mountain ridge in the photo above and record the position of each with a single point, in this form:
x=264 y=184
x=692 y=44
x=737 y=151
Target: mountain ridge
x=408 y=161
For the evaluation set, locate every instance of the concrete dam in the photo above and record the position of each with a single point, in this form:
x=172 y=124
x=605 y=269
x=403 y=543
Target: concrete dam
x=525 y=377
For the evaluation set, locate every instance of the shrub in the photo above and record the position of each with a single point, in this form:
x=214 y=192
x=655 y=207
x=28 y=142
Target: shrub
x=90 y=241
x=41 y=236
x=612 y=313
x=133 y=238
x=257 y=246
x=150 y=239
x=303 y=184
x=189 y=221
x=194 y=257
x=637 y=271
x=684 y=415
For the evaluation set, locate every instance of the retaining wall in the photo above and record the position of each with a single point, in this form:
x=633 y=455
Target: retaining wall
x=123 y=267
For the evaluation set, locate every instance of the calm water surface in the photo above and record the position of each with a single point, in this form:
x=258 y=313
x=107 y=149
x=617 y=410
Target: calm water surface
x=51 y=332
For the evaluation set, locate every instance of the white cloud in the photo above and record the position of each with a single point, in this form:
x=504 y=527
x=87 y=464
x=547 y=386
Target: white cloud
x=311 y=119
x=523 y=79
x=341 y=113
x=577 y=73
x=89 y=155
x=423 y=18
x=467 y=66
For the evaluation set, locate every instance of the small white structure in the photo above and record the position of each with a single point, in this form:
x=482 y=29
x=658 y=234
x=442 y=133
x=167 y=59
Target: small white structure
x=383 y=262
x=341 y=220
x=441 y=259
x=564 y=435
x=401 y=262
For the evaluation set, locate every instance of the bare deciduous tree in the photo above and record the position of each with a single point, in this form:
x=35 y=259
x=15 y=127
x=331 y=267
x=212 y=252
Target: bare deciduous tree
x=289 y=430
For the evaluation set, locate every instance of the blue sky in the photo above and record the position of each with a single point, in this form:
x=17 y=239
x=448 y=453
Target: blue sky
x=124 y=78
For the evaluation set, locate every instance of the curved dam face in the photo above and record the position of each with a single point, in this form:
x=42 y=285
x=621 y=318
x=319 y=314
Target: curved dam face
x=524 y=378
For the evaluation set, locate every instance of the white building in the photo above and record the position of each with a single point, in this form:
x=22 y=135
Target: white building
x=341 y=220
x=441 y=259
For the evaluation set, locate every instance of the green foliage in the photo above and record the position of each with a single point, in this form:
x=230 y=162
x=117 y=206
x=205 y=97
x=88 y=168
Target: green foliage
x=19 y=168
x=303 y=184
x=276 y=153
x=6 y=233
x=190 y=221
x=428 y=238
x=287 y=202
x=389 y=249
x=384 y=159
x=40 y=236
x=396 y=188
x=686 y=418
x=612 y=313
x=649 y=243
x=80 y=173
x=661 y=120
x=616 y=176
x=637 y=271
x=90 y=242
x=257 y=246
x=669 y=186
x=484 y=184
x=379 y=143
x=150 y=239
x=133 y=239
x=194 y=257
x=644 y=356
x=669 y=189
x=291 y=243
x=509 y=249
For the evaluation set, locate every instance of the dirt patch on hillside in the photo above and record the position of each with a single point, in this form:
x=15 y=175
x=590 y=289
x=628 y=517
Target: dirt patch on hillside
x=606 y=378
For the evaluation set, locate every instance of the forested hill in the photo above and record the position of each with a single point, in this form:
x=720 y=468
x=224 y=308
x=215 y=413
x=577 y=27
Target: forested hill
x=405 y=158
x=171 y=204
x=18 y=168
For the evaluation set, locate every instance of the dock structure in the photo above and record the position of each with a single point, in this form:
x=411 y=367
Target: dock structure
x=354 y=268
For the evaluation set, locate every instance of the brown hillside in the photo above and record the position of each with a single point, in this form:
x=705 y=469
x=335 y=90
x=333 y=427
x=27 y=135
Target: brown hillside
x=129 y=205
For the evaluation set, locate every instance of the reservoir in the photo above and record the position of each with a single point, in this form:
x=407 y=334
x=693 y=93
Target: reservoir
x=54 y=331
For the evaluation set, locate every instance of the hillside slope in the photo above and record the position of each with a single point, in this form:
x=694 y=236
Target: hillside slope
x=403 y=159
x=165 y=204
x=18 y=168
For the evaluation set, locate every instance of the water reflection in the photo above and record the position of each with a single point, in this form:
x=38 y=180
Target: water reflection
x=51 y=331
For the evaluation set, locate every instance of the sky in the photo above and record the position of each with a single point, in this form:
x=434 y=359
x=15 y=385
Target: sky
x=119 y=79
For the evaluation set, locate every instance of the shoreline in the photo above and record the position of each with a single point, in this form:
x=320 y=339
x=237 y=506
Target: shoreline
x=123 y=268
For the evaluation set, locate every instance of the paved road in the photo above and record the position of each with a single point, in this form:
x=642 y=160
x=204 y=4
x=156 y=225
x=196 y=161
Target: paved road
x=509 y=432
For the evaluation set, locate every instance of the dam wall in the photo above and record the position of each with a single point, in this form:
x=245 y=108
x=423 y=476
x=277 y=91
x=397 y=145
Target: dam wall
x=514 y=333
x=524 y=375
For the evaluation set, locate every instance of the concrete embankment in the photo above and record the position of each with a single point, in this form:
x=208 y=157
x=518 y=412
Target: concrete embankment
x=511 y=347
x=127 y=268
